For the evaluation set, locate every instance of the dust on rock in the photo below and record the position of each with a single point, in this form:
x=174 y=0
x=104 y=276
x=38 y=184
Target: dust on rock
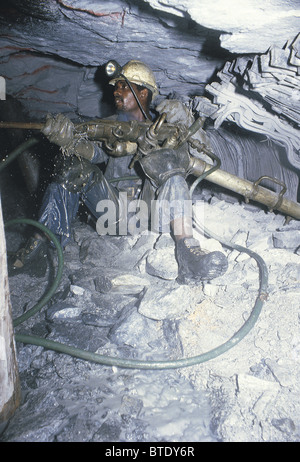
x=134 y=308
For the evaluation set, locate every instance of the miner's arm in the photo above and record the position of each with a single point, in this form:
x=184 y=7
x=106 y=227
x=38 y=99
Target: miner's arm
x=61 y=131
x=117 y=138
x=87 y=139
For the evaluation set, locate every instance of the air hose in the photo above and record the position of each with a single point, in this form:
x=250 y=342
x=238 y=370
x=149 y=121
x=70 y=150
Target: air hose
x=137 y=364
x=16 y=152
x=45 y=299
x=133 y=363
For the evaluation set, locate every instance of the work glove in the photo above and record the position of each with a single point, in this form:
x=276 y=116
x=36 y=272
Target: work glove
x=177 y=112
x=60 y=130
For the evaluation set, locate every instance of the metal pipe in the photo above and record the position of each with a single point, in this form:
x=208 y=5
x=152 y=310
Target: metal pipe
x=250 y=190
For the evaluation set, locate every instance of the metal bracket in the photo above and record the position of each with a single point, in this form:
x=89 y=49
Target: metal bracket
x=254 y=191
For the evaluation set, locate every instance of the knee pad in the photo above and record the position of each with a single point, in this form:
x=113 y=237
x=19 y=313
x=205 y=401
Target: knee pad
x=160 y=165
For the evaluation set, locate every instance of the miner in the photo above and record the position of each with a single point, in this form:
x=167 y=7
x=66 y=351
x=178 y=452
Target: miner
x=162 y=179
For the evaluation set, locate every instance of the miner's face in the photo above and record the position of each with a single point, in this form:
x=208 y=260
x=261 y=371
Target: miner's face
x=124 y=98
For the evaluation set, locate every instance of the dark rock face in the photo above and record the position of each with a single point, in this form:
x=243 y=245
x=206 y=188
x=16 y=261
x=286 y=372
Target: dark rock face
x=56 y=52
x=53 y=57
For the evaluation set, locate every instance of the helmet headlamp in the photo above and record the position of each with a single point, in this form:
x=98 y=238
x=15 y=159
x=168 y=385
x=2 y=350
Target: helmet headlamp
x=112 y=69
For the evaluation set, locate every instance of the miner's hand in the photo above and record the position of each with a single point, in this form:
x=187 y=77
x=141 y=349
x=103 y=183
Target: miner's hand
x=59 y=130
x=122 y=148
x=176 y=112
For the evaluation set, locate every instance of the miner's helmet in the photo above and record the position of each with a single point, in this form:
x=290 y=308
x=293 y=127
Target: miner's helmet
x=135 y=72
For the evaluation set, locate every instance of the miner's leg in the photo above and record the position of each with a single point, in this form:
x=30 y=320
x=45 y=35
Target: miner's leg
x=194 y=264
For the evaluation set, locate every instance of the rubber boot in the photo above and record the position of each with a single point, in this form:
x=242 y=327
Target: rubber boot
x=195 y=264
x=31 y=259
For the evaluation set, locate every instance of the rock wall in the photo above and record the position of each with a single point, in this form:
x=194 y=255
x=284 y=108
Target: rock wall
x=53 y=53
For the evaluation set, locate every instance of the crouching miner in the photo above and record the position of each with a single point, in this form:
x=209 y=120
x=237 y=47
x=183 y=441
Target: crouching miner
x=162 y=176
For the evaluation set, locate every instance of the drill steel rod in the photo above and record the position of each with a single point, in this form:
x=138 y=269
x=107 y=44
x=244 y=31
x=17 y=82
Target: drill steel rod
x=23 y=125
x=227 y=180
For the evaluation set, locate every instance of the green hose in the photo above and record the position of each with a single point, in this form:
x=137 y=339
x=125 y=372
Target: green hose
x=137 y=364
x=140 y=364
x=16 y=152
x=208 y=172
x=58 y=276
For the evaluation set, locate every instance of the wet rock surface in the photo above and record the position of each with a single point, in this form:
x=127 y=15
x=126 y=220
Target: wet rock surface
x=119 y=298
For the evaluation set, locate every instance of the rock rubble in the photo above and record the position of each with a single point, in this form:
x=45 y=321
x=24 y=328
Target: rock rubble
x=119 y=297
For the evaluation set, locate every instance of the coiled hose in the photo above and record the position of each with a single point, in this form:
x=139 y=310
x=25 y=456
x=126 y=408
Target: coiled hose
x=36 y=308
x=133 y=363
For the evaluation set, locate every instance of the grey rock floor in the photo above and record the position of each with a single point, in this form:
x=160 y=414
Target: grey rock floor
x=119 y=297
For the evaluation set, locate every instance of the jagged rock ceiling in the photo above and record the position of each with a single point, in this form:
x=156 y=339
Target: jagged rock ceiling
x=245 y=27
x=51 y=50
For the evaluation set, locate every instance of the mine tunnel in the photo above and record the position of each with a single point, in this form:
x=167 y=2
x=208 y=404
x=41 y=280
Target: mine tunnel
x=143 y=357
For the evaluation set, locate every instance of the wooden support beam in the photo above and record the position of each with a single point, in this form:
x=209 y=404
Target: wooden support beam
x=10 y=391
